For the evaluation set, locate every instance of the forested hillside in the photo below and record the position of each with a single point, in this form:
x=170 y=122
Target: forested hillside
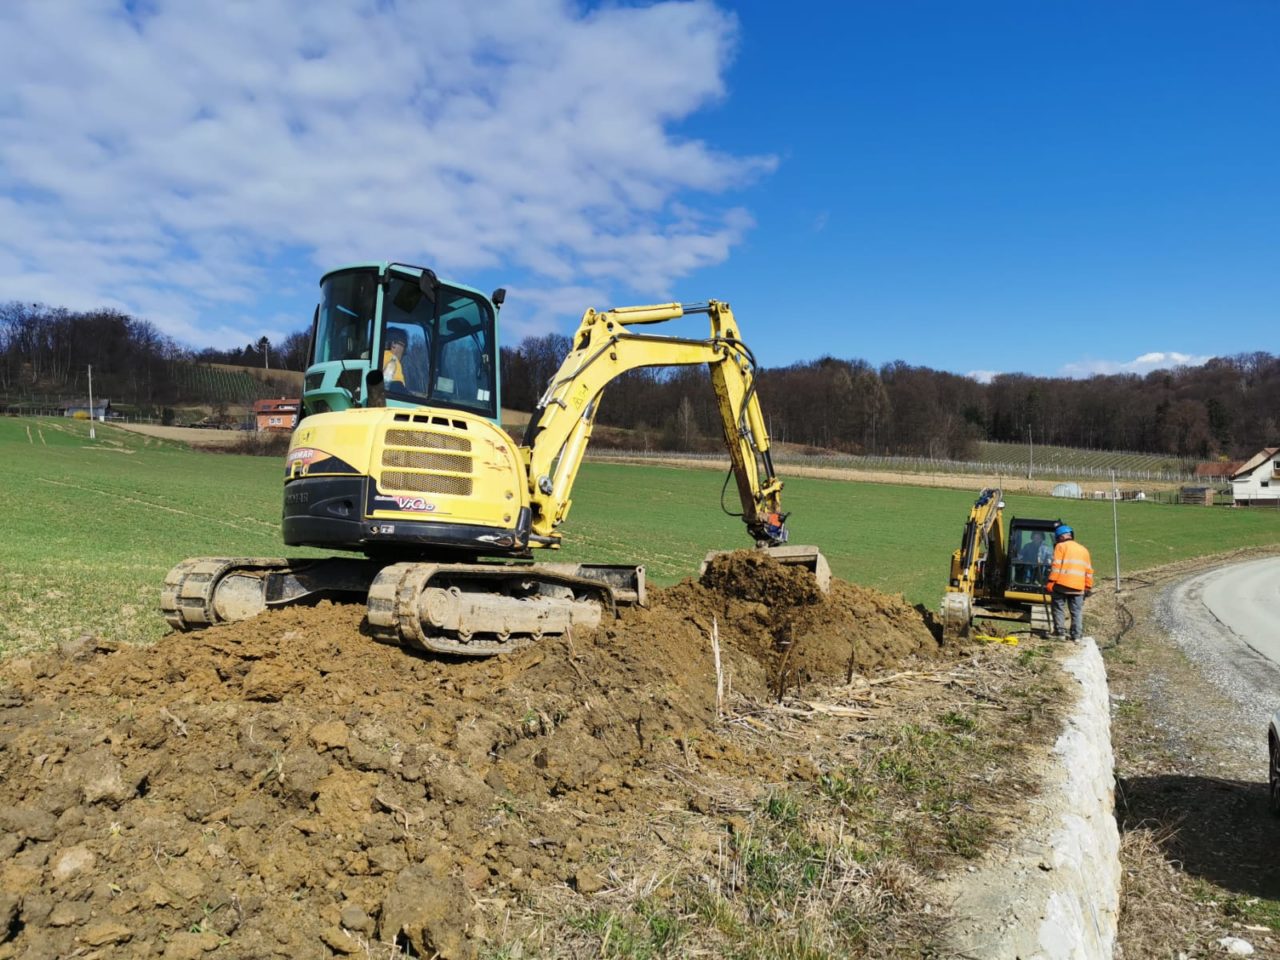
x=1230 y=406
x=45 y=353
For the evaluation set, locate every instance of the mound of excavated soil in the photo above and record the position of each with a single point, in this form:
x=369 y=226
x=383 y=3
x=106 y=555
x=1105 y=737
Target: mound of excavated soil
x=287 y=787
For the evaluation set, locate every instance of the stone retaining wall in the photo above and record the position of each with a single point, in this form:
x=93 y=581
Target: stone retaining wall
x=1053 y=893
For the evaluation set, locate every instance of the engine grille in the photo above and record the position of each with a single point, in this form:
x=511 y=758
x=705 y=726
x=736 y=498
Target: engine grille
x=426 y=461
x=427 y=438
x=426 y=483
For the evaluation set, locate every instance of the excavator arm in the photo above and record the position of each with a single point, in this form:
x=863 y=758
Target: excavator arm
x=604 y=347
x=981 y=555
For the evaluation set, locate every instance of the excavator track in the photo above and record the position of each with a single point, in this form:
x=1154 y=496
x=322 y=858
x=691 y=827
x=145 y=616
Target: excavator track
x=472 y=610
x=188 y=596
x=463 y=609
x=204 y=591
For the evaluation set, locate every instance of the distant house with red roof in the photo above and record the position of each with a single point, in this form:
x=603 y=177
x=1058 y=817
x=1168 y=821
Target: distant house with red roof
x=1217 y=469
x=280 y=415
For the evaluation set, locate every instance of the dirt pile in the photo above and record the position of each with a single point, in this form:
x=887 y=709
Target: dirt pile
x=288 y=787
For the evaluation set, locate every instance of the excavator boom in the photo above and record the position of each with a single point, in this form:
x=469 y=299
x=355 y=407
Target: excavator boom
x=604 y=347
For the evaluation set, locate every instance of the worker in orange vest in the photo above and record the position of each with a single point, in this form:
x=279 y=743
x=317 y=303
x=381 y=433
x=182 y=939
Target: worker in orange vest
x=1070 y=581
x=775 y=525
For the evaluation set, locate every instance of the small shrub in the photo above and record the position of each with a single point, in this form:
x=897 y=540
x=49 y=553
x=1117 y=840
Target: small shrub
x=261 y=444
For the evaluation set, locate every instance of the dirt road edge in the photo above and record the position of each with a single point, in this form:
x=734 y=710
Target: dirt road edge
x=1053 y=891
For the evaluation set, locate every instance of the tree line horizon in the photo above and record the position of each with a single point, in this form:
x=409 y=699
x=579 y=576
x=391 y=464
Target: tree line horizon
x=1227 y=407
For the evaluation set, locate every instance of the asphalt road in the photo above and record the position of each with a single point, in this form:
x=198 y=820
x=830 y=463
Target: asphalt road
x=1227 y=620
x=1245 y=598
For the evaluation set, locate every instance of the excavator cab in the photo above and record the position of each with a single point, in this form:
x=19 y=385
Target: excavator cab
x=397 y=336
x=1030 y=556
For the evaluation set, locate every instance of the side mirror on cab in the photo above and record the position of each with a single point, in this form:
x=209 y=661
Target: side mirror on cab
x=427 y=283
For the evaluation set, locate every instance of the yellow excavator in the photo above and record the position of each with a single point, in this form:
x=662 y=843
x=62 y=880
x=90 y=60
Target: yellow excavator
x=997 y=576
x=400 y=460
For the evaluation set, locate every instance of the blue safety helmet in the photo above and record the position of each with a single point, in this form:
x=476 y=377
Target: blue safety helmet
x=1062 y=530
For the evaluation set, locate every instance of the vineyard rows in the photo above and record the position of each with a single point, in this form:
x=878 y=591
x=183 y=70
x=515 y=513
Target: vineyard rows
x=1074 y=457
x=1042 y=470
x=200 y=382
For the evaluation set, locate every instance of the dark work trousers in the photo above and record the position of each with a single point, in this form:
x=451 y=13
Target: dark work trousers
x=1061 y=599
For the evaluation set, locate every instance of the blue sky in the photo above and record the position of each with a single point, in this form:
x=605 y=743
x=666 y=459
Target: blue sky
x=1052 y=188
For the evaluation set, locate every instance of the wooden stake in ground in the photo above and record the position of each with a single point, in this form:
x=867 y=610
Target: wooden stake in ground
x=715 y=653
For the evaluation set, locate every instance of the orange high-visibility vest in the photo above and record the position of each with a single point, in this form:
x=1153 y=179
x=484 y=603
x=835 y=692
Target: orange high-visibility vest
x=1072 y=568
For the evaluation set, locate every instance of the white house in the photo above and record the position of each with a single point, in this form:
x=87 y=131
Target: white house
x=1258 y=480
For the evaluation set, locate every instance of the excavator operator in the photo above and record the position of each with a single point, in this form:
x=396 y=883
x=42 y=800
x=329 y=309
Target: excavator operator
x=393 y=357
x=1034 y=559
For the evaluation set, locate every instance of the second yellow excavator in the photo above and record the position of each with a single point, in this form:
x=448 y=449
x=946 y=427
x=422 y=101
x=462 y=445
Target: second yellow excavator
x=995 y=576
x=401 y=461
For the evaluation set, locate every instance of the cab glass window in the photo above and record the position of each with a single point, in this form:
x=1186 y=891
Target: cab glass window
x=344 y=326
x=447 y=352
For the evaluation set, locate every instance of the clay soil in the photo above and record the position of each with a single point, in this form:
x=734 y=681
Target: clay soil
x=288 y=787
x=193 y=436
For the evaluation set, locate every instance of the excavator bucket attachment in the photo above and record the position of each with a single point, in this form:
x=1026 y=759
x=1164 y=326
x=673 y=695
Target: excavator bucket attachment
x=957 y=615
x=810 y=558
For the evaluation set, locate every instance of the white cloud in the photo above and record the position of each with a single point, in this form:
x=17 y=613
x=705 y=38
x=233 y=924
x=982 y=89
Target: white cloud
x=549 y=309
x=1147 y=362
x=169 y=159
x=983 y=376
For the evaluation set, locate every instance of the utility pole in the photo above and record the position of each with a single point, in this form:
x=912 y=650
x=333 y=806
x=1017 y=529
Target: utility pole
x=1115 y=525
x=92 y=434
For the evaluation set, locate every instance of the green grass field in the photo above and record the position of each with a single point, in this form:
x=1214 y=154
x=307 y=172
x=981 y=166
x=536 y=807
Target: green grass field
x=91 y=527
